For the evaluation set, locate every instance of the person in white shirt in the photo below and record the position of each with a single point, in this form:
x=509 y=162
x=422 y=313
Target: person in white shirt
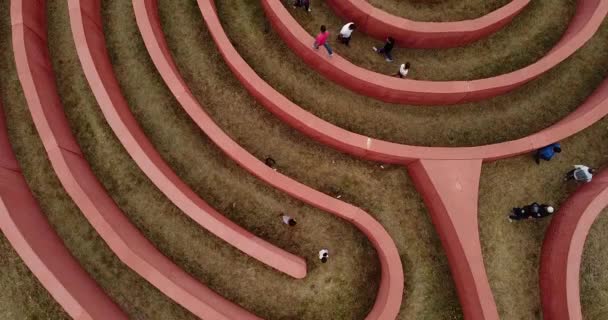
x=346 y=33
x=404 y=69
x=580 y=173
x=323 y=255
x=288 y=220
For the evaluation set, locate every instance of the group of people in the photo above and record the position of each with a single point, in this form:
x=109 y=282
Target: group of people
x=580 y=174
x=323 y=253
x=344 y=37
x=290 y=221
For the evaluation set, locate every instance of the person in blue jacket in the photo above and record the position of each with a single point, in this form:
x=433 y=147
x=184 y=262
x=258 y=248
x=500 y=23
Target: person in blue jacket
x=547 y=153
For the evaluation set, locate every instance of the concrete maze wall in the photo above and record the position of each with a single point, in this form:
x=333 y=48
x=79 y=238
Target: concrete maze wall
x=342 y=186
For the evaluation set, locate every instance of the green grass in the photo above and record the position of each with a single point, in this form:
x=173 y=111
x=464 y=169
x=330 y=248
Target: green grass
x=439 y=10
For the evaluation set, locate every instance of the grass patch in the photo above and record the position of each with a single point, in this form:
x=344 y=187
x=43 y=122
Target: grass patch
x=594 y=281
x=22 y=295
x=439 y=10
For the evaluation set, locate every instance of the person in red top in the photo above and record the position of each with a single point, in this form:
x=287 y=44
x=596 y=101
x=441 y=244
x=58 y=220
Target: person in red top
x=321 y=40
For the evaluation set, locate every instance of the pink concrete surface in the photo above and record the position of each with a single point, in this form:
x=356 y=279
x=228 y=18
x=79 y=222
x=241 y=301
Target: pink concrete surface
x=450 y=191
x=85 y=19
x=592 y=110
x=124 y=239
x=588 y=17
x=390 y=291
x=415 y=34
x=563 y=249
x=33 y=238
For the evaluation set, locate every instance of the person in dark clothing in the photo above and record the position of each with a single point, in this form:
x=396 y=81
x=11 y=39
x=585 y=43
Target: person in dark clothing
x=547 y=153
x=532 y=211
x=302 y=3
x=271 y=163
x=387 y=49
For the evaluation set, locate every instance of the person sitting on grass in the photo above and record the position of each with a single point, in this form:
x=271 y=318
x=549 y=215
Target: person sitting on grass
x=386 y=49
x=346 y=33
x=302 y=3
x=532 y=211
x=288 y=220
x=323 y=255
x=580 y=173
x=404 y=69
x=547 y=153
x=321 y=40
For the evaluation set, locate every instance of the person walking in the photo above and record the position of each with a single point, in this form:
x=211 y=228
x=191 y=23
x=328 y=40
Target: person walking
x=271 y=163
x=323 y=255
x=288 y=220
x=547 y=153
x=302 y=3
x=580 y=173
x=346 y=33
x=404 y=69
x=532 y=211
x=321 y=40
x=386 y=49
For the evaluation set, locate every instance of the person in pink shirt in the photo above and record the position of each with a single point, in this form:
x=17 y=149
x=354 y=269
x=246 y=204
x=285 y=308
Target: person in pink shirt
x=321 y=40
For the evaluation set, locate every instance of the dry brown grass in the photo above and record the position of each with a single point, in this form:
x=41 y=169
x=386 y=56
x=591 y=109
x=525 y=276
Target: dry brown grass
x=345 y=287
x=594 y=292
x=22 y=296
x=439 y=10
